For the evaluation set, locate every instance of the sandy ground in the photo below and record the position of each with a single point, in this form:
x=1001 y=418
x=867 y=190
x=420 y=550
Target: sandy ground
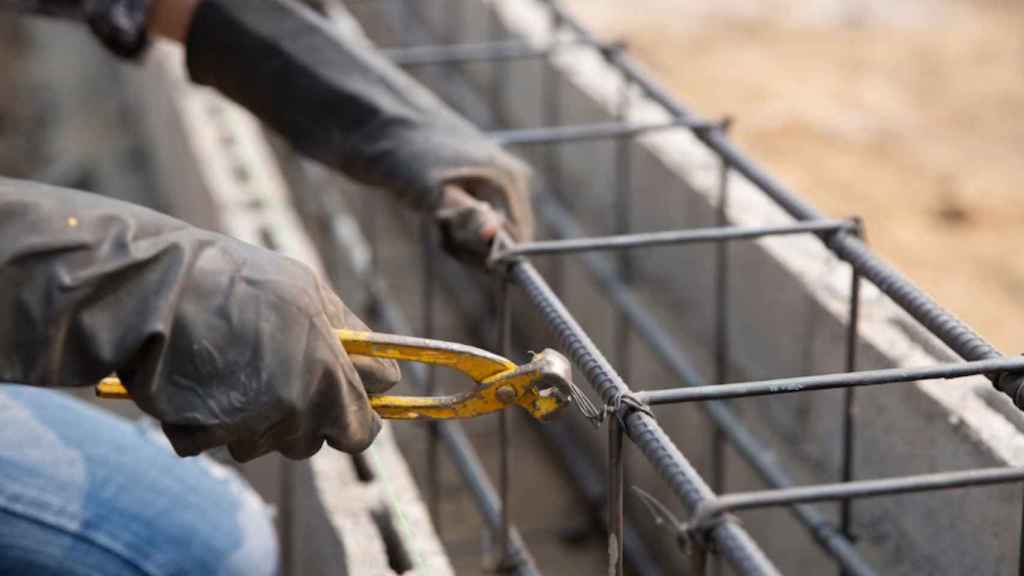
x=910 y=114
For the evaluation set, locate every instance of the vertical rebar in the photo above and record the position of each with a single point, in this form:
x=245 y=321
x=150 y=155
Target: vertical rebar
x=722 y=323
x=722 y=336
x=402 y=21
x=457 y=23
x=427 y=294
x=845 y=506
x=623 y=223
x=552 y=94
x=551 y=104
x=1020 y=545
x=616 y=521
x=498 y=69
x=427 y=308
x=503 y=325
x=698 y=559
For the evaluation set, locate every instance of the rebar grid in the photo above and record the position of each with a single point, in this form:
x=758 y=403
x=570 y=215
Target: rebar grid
x=628 y=416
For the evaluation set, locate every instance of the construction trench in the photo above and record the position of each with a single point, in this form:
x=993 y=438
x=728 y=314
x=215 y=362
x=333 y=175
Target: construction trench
x=764 y=291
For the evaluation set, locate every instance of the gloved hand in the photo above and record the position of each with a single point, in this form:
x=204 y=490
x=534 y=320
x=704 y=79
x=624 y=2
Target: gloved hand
x=338 y=100
x=223 y=342
x=473 y=209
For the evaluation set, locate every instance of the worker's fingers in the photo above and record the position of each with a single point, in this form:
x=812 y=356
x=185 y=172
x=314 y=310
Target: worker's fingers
x=325 y=400
x=338 y=411
x=504 y=184
x=478 y=201
x=485 y=220
x=193 y=440
x=377 y=374
x=251 y=447
x=468 y=224
x=332 y=407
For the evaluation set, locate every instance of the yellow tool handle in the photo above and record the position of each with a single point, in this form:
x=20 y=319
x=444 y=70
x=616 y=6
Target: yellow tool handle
x=473 y=362
x=480 y=365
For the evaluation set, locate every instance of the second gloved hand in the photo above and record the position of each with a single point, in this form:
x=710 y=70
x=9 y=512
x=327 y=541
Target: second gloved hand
x=338 y=100
x=225 y=343
x=476 y=202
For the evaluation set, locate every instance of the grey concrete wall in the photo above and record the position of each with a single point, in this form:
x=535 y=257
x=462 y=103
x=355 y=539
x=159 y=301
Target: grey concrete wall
x=788 y=298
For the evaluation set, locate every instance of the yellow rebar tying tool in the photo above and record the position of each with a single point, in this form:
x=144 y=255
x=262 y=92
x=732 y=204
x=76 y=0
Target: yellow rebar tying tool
x=542 y=386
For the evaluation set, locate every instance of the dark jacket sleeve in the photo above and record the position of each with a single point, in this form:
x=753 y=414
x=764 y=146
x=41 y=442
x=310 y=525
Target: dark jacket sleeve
x=336 y=99
x=222 y=341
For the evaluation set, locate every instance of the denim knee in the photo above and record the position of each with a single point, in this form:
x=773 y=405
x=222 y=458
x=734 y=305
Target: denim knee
x=101 y=495
x=257 y=551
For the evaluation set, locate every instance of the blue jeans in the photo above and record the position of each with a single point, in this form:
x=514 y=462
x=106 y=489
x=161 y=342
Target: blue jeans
x=83 y=492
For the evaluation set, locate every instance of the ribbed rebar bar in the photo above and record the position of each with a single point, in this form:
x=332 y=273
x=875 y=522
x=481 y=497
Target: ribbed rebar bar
x=733 y=541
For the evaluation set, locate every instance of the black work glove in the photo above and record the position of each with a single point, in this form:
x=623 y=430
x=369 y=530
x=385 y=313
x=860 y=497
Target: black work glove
x=222 y=341
x=338 y=100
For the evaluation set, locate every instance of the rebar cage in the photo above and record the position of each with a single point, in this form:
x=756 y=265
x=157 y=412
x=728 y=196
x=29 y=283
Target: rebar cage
x=711 y=526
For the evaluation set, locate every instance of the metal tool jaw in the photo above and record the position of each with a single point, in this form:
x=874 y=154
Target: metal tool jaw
x=542 y=387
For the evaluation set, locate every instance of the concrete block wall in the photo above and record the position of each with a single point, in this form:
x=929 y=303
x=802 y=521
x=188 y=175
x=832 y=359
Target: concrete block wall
x=789 y=305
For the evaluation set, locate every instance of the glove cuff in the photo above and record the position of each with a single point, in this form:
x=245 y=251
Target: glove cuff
x=120 y=24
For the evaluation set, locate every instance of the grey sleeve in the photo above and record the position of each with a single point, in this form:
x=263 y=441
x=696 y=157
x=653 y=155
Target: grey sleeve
x=338 y=100
x=87 y=284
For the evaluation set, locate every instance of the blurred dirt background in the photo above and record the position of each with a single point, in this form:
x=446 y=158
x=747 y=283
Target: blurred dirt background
x=909 y=113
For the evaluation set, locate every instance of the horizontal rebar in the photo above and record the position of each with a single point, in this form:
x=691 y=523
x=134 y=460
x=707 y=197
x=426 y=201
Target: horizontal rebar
x=830 y=381
x=437 y=54
x=939 y=321
x=671 y=237
x=857 y=489
x=582 y=132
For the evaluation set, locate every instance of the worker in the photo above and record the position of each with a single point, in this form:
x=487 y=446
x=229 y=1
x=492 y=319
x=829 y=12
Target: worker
x=223 y=343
